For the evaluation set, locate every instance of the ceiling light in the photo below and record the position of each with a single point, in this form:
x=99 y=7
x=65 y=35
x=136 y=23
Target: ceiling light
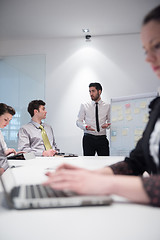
x=85 y=30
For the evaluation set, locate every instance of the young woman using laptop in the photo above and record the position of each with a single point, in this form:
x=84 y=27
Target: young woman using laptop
x=6 y=114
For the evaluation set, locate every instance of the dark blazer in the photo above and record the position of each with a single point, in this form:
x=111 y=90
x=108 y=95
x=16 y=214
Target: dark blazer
x=140 y=159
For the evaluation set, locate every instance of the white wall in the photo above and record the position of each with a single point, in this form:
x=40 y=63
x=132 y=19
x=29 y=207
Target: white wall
x=117 y=62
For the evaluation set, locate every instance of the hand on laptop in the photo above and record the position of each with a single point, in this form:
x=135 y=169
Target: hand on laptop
x=81 y=181
x=68 y=166
x=9 y=151
x=63 y=166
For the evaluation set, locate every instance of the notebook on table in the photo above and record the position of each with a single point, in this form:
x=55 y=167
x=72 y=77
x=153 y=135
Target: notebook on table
x=39 y=196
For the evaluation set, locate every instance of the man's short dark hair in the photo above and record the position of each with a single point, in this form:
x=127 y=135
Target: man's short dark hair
x=98 y=86
x=4 y=108
x=35 y=104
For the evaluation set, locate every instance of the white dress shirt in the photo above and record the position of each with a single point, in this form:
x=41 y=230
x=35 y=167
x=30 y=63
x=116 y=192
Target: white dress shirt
x=3 y=148
x=30 y=138
x=86 y=117
x=3 y=145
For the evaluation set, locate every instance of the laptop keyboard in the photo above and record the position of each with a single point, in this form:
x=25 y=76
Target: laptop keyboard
x=39 y=191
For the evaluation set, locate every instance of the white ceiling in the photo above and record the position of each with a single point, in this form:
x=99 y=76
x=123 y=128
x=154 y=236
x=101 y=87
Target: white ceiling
x=34 y=19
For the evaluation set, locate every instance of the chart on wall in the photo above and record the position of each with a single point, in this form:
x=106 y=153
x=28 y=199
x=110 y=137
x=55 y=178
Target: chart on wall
x=129 y=116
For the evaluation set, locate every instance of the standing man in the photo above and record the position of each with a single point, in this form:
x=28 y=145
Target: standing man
x=37 y=137
x=94 y=118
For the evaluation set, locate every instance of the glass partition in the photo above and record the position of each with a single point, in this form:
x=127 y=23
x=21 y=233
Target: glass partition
x=22 y=79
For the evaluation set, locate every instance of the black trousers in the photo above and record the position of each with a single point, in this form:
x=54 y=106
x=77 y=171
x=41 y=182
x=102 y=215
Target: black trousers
x=95 y=144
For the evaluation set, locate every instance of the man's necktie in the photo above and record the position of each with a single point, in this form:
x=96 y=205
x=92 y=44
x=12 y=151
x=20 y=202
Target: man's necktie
x=45 y=138
x=97 y=121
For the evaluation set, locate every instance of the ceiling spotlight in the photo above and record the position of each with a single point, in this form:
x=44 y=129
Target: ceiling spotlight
x=88 y=37
x=85 y=30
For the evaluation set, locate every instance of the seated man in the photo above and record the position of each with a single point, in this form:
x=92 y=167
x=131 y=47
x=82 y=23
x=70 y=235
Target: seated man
x=37 y=137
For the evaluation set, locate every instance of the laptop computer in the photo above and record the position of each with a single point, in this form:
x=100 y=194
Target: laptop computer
x=66 y=154
x=39 y=196
x=21 y=156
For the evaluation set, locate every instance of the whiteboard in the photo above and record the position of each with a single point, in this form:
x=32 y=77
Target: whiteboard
x=129 y=116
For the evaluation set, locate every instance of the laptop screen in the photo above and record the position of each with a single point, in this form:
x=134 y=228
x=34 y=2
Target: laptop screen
x=8 y=180
x=8 y=183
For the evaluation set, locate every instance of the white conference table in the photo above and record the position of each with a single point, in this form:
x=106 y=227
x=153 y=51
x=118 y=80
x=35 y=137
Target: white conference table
x=121 y=220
